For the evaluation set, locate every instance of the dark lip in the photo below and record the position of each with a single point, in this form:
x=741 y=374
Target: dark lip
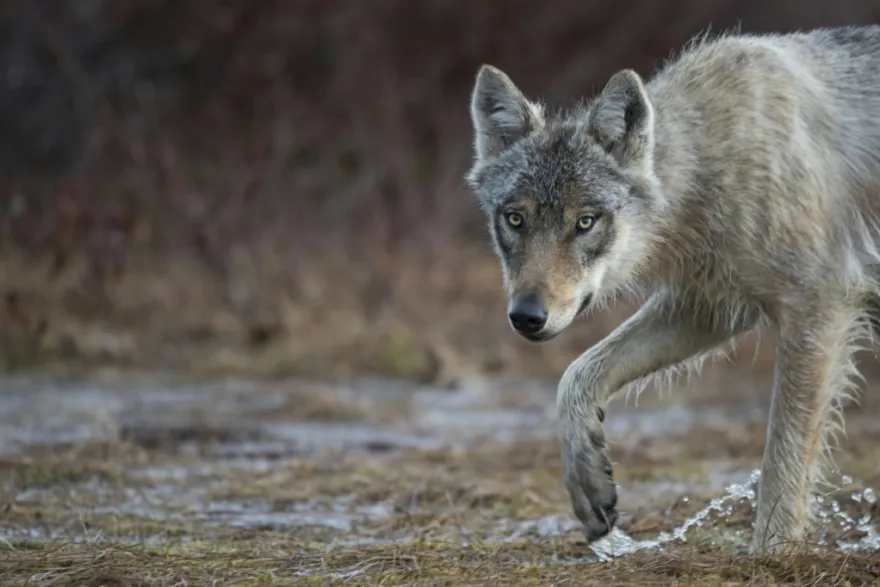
x=539 y=337
x=585 y=303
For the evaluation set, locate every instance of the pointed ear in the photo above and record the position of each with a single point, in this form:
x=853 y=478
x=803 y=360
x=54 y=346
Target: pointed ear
x=622 y=121
x=500 y=113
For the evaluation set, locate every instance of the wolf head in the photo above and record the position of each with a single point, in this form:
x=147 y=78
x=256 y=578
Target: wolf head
x=569 y=197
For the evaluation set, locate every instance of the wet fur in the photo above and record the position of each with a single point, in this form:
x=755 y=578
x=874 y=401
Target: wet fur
x=738 y=189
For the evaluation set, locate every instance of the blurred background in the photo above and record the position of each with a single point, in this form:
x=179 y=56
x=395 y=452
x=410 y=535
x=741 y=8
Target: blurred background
x=276 y=188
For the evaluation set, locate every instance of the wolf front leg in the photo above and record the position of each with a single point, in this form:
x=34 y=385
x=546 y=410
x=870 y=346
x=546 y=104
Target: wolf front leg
x=814 y=369
x=662 y=333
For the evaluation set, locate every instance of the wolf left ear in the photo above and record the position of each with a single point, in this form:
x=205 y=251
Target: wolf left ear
x=622 y=121
x=500 y=113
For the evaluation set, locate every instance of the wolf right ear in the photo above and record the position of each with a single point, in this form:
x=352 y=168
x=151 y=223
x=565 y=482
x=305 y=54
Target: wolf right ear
x=500 y=113
x=622 y=121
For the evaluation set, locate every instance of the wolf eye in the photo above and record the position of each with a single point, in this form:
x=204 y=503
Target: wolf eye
x=514 y=219
x=585 y=223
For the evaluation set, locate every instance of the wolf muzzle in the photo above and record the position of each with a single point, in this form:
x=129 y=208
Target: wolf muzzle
x=528 y=314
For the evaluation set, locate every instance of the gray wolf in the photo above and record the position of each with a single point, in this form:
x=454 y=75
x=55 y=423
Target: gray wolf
x=737 y=189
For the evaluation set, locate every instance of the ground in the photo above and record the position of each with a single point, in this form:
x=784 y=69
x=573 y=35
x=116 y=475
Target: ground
x=139 y=479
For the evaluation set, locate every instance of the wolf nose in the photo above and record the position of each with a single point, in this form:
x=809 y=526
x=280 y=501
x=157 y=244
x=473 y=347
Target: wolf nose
x=528 y=315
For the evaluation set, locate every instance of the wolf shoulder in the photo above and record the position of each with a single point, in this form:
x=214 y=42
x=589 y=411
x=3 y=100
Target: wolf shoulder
x=837 y=63
x=814 y=93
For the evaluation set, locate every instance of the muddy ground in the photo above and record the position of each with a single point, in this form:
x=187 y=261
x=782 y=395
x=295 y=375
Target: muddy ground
x=143 y=480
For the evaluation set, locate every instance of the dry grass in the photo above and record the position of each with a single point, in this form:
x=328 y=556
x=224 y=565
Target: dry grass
x=276 y=560
x=163 y=508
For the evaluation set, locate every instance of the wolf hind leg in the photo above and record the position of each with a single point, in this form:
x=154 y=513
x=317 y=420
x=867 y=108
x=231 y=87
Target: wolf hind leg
x=815 y=376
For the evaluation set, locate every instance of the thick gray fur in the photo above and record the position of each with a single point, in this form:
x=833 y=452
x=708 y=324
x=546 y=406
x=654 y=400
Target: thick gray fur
x=738 y=189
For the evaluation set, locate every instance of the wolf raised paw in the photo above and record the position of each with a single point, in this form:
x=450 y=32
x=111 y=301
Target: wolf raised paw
x=589 y=479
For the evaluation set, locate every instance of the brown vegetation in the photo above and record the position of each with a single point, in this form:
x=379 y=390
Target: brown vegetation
x=276 y=187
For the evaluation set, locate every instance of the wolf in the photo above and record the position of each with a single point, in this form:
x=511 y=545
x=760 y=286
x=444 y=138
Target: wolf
x=735 y=190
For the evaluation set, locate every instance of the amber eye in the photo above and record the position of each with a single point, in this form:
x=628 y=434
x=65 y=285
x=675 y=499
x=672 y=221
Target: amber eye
x=585 y=223
x=514 y=219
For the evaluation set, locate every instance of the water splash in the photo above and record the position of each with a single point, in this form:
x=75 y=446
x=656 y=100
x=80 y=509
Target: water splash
x=870 y=541
x=618 y=543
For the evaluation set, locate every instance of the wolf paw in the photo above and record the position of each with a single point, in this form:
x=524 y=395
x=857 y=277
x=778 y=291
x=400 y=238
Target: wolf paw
x=589 y=479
